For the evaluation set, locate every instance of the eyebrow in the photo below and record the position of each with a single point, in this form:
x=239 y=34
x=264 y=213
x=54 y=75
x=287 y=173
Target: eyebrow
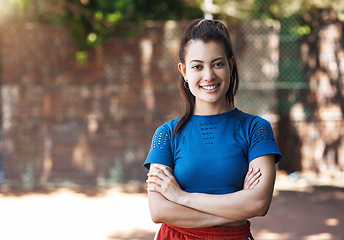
x=216 y=59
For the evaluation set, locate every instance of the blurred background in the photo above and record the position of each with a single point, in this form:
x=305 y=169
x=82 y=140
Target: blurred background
x=85 y=83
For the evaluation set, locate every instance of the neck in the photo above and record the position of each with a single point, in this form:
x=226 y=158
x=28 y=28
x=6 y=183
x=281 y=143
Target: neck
x=209 y=109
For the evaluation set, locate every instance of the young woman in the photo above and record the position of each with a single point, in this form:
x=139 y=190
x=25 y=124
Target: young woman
x=213 y=168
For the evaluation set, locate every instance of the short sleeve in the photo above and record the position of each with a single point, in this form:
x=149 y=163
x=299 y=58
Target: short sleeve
x=160 y=150
x=262 y=140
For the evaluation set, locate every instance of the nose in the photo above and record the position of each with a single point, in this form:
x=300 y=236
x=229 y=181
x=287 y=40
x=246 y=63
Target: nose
x=209 y=74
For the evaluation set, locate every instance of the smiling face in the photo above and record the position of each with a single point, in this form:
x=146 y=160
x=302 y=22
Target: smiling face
x=207 y=72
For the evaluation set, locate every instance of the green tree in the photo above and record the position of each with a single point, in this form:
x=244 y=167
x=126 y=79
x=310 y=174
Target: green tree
x=272 y=9
x=93 y=21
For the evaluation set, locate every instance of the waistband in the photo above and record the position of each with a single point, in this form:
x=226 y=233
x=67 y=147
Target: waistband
x=236 y=232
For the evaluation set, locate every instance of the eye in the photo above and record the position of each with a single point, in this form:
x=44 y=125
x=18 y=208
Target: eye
x=219 y=64
x=197 y=67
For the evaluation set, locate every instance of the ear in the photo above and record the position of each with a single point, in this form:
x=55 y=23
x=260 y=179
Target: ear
x=182 y=69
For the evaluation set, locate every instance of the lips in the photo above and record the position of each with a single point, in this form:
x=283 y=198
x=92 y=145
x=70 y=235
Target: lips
x=210 y=87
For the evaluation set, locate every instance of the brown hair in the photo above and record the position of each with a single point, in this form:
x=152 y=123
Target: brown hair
x=205 y=30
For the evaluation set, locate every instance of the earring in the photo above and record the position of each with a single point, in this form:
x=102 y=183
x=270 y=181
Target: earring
x=186 y=85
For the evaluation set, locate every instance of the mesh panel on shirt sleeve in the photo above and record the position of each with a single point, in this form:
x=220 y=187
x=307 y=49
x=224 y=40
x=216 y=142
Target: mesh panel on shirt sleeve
x=262 y=131
x=160 y=150
x=262 y=140
x=160 y=139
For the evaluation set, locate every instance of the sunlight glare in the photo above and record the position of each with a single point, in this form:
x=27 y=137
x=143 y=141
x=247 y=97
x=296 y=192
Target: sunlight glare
x=5 y=9
x=320 y=236
x=332 y=222
x=266 y=235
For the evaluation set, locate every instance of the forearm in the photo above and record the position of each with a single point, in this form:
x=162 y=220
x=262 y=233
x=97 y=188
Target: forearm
x=165 y=211
x=237 y=206
x=243 y=204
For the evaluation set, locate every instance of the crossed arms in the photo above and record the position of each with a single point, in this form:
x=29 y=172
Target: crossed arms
x=171 y=205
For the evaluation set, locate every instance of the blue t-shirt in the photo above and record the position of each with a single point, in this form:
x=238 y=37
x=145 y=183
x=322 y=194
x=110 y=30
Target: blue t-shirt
x=211 y=154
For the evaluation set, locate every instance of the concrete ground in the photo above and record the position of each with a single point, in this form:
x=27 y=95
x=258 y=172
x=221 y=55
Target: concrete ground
x=298 y=211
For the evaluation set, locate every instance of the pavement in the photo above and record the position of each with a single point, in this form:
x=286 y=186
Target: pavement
x=300 y=210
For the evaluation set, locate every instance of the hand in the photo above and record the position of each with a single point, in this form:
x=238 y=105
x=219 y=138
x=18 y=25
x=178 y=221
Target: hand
x=252 y=178
x=161 y=180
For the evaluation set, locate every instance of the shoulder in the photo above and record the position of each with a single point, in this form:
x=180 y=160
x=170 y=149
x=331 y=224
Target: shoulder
x=166 y=130
x=246 y=120
x=250 y=120
x=252 y=126
x=257 y=133
x=168 y=126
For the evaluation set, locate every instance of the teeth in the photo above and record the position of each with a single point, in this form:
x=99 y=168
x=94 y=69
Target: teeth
x=210 y=87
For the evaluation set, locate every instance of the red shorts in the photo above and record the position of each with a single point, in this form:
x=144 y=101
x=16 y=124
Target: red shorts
x=210 y=233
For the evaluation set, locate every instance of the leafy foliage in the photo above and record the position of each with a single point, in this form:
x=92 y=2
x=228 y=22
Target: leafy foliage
x=93 y=21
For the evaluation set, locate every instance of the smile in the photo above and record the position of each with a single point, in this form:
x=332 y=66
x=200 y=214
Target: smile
x=212 y=87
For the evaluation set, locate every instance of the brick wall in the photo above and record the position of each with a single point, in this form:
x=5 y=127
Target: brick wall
x=91 y=123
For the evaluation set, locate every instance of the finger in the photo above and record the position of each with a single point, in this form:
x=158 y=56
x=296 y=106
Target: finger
x=253 y=174
x=166 y=175
x=163 y=183
x=166 y=171
x=159 y=170
x=153 y=188
x=255 y=183
x=157 y=173
x=153 y=185
x=248 y=174
x=155 y=180
x=255 y=177
x=256 y=174
x=256 y=171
